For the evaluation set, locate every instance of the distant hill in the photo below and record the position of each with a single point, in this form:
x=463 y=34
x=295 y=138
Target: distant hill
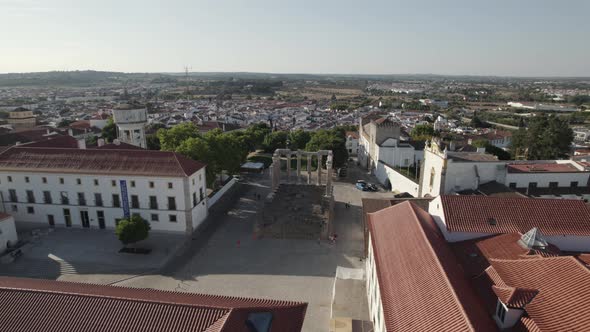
x=71 y=78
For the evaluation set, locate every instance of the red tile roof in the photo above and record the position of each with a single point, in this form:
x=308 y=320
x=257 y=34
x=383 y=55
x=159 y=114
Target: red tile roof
x=119 y=146
x=477 y=214
x=506 y=246
x=98 y=161
x=550 y=167
x=422 y=286
x=55 y=141
x=515 y=297
x=55 y=306
x=563 y=286
x=4 y=216
x=352 y=134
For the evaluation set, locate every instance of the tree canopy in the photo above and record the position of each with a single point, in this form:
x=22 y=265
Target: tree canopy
x=299 y=139
x=109 y=132
x=422 y=132
x=132 y=229
x=547 y=137
x=275 y=140
x=330 y=140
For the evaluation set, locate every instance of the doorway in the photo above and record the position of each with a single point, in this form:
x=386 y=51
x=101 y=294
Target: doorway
x=100 y=217
x=51 y=220
x=67 y=217
x=85 y=219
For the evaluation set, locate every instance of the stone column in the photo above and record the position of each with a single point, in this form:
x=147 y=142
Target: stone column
x=319 y=180
x=329 y=174
x=308 y=168
x=276 y=170
x=298 y=154
x=289 y=167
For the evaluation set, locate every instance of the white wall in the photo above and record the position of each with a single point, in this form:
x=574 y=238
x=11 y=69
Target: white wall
x=221 y=192
x=7 y=233
x=462 y=175
x=373 y=292
x=182 y=195
x=522 y=180
x=398 y=182
x=432 y=161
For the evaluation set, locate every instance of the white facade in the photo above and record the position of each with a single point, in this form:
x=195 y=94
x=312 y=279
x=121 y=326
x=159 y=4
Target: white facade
x=8 y=236
x=395 y=181
x=373 y=292
x=352 y=145
x=39 y=199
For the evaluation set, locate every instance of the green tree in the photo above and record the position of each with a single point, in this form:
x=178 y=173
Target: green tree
x=547 y=137
x=132 y=230
x=275 y=140
x=491 y=149
x=170 y=139
x=422 y=132
x=64 y=123
x=197 y=148
x=299 y=139
x=329 y=140
x=153 y=142
x=109 y=132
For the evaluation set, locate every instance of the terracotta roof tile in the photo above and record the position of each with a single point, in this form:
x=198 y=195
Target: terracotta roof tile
x=563 y=285
x=98 y=161
x=495 y=215
x=54 y=306
x=421 y=284
x=514 y=297
x=549 y=167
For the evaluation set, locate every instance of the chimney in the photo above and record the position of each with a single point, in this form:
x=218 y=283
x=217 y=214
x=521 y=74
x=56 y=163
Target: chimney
x=48 y=131
x=82 y=144
x=100 y=142
x=70 y=132
x=116 y=141
x=481 y=150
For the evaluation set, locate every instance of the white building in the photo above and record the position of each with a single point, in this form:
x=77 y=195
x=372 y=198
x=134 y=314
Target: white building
x=352 y=143
x=446 y=172
x=94 y=188
x=8 y=236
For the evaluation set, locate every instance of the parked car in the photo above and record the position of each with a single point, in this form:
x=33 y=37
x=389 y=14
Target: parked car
x=342 y=172
x=372 y=187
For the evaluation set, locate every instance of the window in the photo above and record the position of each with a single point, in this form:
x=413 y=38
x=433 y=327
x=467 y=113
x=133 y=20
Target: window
x=194 y=199
x=30 y=196
x=199 y=177
x=113 y=183
x=44 y=179
x=96 y=182
x=193 y=181
x=98 y=199
x=155 y=217
x=171 y=203
x=81 y=199
x=47 y=197
x=61 y=180
x=574 y=184
x=170 y=186
x=201 y=194
x=259 y=321
x=151 y=184
x=132 y=184
x=30 y=210
x=512 y=185
x=532 y=185
x=14 y=208
x=432 y=173
x=172 y=218
x=134 y=202
x=27 y=180
x=78 y=181
x=12 y=194
x=553 y=185
x=64 y=197
x=116 y=201
x=153 y=202
x=500 y=311
x=9 y=178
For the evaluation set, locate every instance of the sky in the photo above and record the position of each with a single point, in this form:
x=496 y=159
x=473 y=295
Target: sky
x=450 y=37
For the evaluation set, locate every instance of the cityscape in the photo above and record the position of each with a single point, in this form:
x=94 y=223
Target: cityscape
x=262 y=189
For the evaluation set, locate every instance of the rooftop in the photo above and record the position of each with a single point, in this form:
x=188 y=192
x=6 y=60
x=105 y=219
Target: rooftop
x=546 y=167
x=421 y=284
x=495 y=215
x=97 y=161
x=47 y=305
x=470 y=156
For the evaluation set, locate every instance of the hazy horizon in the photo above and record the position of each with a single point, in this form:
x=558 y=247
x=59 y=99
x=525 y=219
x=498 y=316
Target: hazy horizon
x=456 y=38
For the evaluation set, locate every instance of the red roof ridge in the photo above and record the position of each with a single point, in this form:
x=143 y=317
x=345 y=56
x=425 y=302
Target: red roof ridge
x=91 y=290
x=440 y=266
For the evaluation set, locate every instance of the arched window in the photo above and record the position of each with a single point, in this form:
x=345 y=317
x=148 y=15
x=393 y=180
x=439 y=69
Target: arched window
x=432 y=174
